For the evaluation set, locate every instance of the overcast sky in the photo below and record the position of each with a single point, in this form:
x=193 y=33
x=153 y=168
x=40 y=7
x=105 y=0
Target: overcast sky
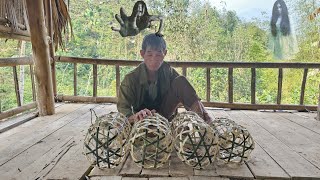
x=247 y=8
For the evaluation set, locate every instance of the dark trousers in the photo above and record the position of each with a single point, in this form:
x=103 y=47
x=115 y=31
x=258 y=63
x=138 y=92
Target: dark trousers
x=180 y=91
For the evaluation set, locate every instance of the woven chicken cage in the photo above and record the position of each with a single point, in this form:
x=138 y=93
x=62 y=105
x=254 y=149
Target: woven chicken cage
x=151 y=142
x=235 y=141
x=106 y=142
x=195 y=142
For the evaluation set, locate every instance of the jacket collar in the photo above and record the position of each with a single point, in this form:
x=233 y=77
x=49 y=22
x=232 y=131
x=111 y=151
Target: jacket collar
x=143 y=73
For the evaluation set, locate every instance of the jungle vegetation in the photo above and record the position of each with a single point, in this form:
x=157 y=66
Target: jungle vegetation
x=194 y=31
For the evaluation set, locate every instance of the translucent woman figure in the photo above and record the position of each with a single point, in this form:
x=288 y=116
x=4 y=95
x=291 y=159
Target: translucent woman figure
x=284 y=44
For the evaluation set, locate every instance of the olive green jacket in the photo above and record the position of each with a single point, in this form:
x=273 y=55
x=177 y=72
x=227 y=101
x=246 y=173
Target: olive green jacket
x=134 y=86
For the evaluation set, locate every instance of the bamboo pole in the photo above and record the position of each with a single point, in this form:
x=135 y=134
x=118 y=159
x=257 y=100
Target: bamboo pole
x=245 y=106
x=6 y=32
x=190 y=64
x=51 y=47
x=40 y=48
x=318 y=116
x=230 y=86
x=253 y=85
x=280 y=77
x=16 y=85
x=4 y=62
x=33 y=84
x=208 y=84
x=17 y=110
x=87 y=99
x=95 y=80
x=184 y=71
x=117 y=79
x=75 y=79
x=303 y=86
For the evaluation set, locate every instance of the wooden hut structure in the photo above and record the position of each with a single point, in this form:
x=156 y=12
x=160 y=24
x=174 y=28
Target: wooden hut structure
x=50 y=147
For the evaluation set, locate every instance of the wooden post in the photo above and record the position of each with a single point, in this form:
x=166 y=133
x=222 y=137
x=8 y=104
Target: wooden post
x=230 y=87
x=303 y=86
x=253 y=85
x=117 y=79
x=318 y=116
x=75 y=79
x=208 y=85
x=184 y=71
x=280 y=77
x=41 y=57
x=16 y=85
x=51 y=47
x=95 y=80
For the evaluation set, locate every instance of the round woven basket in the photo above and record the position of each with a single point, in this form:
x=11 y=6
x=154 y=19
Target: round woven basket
x=151 y=142
x=235 y=141
x=195 y=142
x=105 y=144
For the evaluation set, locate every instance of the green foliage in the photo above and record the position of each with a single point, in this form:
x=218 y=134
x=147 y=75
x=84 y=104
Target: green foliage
x=194 y=31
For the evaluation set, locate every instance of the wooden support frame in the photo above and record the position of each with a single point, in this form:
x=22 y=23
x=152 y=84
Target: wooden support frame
x=207 y=66
x=318 y=113
x=6 y=32
x=117 y=80
x=17 y=110
x=48 y=9
x=16 y=85
x=41 y=54
x=253 y=86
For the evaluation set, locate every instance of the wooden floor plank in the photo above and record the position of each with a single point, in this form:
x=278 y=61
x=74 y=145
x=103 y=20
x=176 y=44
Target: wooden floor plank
x=178 y=168
x=46 y=144
x=206 y=178
x=75 y=161
x=106 y=178
x=290 y=161
x=308 y=115
x=207 y=171
x=57 y=153
x=260 y=163
x=134 y=178
x=26 y=134
x=14 y=122
x=169 y=178
x=303 y=141
x=43 y=165
x=130 y=168
x=17 y=133
x=305 y=121
x=241 y=171
x=162 y=171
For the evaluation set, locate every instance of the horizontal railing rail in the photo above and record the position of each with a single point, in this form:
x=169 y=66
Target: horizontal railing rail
x=14 y=62
x=206 y=65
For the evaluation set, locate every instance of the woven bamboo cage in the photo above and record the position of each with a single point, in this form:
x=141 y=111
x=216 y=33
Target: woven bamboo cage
x=196 y=143
x=235 y=141
x=106 y=142
x=151 y=142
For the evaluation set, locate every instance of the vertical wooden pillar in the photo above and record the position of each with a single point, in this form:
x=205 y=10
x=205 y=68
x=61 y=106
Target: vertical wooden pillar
x=318 y=114
x=51 y=45
x=41 y=57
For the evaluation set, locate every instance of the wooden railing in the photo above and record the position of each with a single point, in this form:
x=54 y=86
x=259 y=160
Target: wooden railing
x=14 y=62
x=206 y=65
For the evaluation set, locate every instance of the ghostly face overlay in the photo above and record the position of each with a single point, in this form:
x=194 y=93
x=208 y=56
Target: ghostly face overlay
x=279 y=8
x=140 y=9
x=153 y=58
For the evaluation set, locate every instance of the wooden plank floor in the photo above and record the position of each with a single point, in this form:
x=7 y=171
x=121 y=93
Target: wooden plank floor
x=287 y=147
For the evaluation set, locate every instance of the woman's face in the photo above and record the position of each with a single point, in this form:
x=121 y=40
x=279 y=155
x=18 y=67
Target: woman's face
x=279 y=8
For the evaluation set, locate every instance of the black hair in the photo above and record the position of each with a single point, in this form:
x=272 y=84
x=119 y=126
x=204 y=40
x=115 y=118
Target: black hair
x=154 y=41
x=285 y=22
